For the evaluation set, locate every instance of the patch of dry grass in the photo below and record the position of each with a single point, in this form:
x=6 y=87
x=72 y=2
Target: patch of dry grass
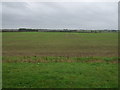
x=60 y=44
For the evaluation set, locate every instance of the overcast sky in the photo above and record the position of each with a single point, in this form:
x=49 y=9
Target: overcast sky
x=59 y=15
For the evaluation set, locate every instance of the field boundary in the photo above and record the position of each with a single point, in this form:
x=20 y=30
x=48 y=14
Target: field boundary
x=48 y=59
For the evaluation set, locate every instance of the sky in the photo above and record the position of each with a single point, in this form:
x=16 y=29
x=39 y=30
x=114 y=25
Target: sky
x=60 y=15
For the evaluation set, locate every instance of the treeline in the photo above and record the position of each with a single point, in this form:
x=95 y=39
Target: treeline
x=56 y=30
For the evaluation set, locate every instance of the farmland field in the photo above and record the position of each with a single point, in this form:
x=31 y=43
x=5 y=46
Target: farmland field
x=60 y=60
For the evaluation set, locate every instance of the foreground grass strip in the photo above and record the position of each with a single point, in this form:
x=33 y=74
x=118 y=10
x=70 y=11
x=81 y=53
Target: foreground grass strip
x=60 y=75
x=37 y=59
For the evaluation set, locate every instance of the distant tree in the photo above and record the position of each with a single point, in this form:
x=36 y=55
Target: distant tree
x=22 y=29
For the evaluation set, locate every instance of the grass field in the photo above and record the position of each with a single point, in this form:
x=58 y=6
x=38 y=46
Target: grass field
x=59 y=44
x=60 y=60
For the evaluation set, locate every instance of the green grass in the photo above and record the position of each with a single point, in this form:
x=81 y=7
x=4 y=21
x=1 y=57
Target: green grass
x=60 y=60
x=60 y=75
x=60 y=44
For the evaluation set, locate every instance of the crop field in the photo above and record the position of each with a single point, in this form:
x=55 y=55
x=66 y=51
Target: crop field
x=59 y=60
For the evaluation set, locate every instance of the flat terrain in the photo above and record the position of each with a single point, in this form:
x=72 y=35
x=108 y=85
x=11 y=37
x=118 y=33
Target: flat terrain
x=60 y=44
x=60 y=60
x=60 y=75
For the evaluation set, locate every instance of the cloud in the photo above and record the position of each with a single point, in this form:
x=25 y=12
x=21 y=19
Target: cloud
x=73 y=15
